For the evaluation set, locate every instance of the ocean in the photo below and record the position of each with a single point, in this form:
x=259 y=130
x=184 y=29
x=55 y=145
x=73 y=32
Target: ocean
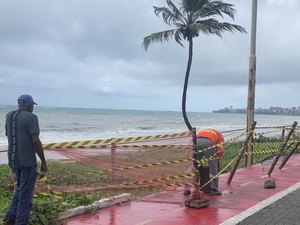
x=73 y=124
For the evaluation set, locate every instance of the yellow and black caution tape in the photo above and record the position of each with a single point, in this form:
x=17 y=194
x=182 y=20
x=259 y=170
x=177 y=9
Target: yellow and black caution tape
x=206 y=160
x=107 y=143
x=178 y=184
x=283 y=127
x=220 y=172
x=146 y=165
x=234 y=139
x=157 y=146
x=162 y=179
x=47 y=185
x=225 y=168
x=76 y=144
x=133 y=167
x=123 y=147
x=268 y=132
x=199 y=162
x=266 y=143
x=148 y=182
x=225 y=144
x=263 y=151
x=291 y=142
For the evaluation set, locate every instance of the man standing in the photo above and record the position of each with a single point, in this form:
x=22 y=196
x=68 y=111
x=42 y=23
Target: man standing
x=22 y=131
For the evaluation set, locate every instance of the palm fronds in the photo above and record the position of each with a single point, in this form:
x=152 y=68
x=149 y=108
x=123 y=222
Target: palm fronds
x=192 y=18
x=163 y=36
x=213 y=26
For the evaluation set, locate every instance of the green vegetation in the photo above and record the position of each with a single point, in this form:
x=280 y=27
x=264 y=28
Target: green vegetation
x=6 y=189
x=47 y=207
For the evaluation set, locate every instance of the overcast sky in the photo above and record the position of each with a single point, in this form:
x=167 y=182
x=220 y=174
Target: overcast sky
x=89 y=53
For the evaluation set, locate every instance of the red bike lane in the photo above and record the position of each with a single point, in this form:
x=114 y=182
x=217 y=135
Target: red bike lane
x=245 y=191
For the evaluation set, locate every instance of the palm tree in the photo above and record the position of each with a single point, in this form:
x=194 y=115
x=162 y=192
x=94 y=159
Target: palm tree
x=189 y=20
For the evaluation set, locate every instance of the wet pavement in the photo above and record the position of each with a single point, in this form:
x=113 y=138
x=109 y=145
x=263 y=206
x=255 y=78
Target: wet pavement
x=244 y=201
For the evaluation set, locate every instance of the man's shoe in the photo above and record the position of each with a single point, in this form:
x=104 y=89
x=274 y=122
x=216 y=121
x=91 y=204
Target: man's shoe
x=187 y=192
x=215 y=192
x=8 y=222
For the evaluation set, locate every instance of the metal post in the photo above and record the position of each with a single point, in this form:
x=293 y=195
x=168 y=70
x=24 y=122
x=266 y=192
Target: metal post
x=197 y=178
x=252 y=80
x=282 y=147
x=287 y=157
x=241 y=153
x=282 y=134
x=113 y=162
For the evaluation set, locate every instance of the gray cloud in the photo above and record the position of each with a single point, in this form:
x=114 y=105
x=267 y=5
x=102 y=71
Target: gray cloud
x=88 y=53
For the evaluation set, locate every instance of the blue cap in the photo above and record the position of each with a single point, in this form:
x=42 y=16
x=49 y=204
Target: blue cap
x=26 y=99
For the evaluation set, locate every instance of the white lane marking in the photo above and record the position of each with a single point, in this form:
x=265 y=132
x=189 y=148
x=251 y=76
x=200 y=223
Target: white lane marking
x=144 y=222
x=244 y=184
x=179 y=209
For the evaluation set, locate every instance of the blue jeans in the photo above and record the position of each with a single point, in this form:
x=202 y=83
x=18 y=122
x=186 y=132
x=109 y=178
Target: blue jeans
x=21 y=203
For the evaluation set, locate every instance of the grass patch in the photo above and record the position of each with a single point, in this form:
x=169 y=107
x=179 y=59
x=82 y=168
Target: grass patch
x=76 y=174
x=48 y=207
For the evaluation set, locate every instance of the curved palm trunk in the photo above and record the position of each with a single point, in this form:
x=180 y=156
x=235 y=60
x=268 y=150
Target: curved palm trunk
x=186 y=82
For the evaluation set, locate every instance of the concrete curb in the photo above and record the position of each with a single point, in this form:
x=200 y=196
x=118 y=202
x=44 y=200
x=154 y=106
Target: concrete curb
x=106 y=202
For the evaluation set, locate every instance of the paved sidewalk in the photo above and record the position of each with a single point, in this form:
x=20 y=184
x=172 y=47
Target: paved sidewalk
x=244 y=198
x=285 y=211
x=49 y=155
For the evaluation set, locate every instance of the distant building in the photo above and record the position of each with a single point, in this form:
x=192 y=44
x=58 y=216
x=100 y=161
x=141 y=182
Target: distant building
x=273 y=110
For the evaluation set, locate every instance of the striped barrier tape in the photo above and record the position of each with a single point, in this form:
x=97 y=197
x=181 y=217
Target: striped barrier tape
x=233 y=160
x=156 y=146
x=96 y=146
x=286 y=127
x=266 y=143
x=168 y=185
x=161 y=179
x=265 y=151
x=178 y=184
x=199 y=162
x=106 y=143
x=169 y=178
x=110 y=187
x=226 y=144
x=58 y=148
x=115 y=140
x=192 y=174
x=148 y=183
x=147 y=165
x=123 y=146
x=256 y=134
x=220 y=172
x=133 y=167
x=291 y=142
